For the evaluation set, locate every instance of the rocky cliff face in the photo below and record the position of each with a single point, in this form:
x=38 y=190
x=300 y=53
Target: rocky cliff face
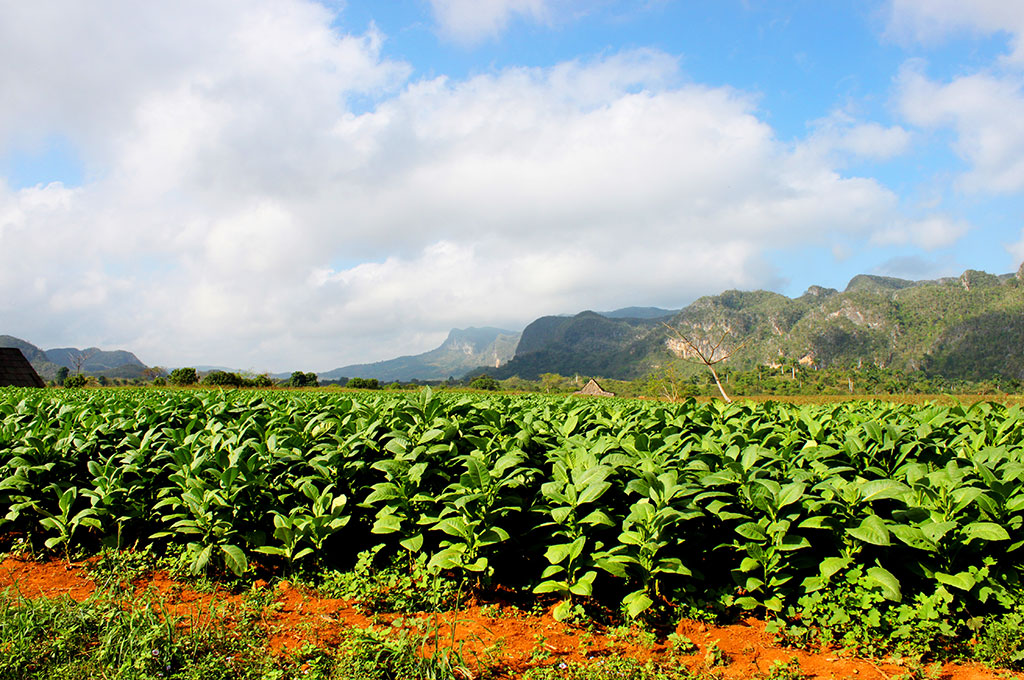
x=464 y=350
x=970 y=326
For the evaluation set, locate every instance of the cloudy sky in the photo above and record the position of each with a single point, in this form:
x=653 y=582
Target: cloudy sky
x=286 y=184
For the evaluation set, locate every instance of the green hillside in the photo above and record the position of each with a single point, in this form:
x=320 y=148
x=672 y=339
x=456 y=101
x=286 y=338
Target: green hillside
x=969 y=327
x=463 y=350
x=92 y=361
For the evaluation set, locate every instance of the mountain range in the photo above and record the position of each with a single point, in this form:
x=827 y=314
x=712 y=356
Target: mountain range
x=968 y=327
x=91 y=361
x=464 y=350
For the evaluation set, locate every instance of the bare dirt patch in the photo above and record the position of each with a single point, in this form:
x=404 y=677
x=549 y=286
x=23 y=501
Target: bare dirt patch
x=492 y=634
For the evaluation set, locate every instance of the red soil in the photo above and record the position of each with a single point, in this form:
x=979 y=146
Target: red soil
x=492 y=634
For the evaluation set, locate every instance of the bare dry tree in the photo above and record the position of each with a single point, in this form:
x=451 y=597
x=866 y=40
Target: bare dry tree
x=79 y=359
x=707 y=352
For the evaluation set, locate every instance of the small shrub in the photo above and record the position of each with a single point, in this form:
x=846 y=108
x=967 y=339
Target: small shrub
x=402 y=586
x=1001 y=641
x=300 y=379
x=224 y=379
x=184 y=376
x=485 y=382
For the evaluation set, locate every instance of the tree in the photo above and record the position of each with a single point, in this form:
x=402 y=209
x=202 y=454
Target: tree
x=485 y=382
x=363 y=384
x=224 y=379
x=300 y=379
x=552 y=382
x=262 y=380
x=153 y=372
x=702 y=348
x=62 y=374
x=79 y=360
x=75 y=381
x=184 y=376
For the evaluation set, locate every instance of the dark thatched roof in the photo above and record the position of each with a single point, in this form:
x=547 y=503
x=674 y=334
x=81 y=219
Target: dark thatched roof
x=592 y=389
x=16 y=371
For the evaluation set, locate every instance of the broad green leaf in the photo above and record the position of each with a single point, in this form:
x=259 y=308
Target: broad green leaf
x=831 y=565
x=791 y=493
x=551 y=587
x=562 y=610
x=880 y=489
x=871 y=530
x=751 y=531
x=987 y=531
x=413 y=543
x=963 y=580
x=636 y=603
x=913 y=536
x=234 y=559
x=889 y=584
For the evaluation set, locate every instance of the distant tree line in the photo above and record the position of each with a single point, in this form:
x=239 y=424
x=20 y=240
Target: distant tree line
x=787 y=378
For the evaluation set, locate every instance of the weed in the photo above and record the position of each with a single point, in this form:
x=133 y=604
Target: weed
x=119 y=568
x=541 y=649
x=1001 y=640
x=854 y=614
x=788 y=670
x=918 y=672
x=608 y=669
x=714 y=656
x=400 y=587
x=681 y=645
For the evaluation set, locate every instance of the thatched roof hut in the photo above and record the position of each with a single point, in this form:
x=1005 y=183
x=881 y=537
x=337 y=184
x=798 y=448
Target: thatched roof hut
x=592 y=389
x=16 y=371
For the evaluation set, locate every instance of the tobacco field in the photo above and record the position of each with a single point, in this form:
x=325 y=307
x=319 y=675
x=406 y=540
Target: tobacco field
x=906 y=520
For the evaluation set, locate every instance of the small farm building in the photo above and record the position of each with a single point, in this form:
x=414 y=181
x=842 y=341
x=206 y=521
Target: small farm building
x=592 y=389
x=16 y=371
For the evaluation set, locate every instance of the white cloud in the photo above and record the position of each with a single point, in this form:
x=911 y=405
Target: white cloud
x=840 y=133
x=932 y=20
x=239 y=211
x=987 y=114
x=985 y=108
x=1016 y=249
x=914 y=267
x=930 y=233
x=470 y=21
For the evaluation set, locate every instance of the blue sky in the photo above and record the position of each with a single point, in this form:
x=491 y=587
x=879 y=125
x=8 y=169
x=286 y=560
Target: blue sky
x=291 y=185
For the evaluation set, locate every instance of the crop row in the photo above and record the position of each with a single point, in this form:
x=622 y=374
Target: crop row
x=641 y=502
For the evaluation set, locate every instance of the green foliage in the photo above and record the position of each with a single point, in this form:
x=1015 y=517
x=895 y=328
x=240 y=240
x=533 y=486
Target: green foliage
x=878 y=526
x=183 y=377
x=300 y=379
x=111 y=637
x=610 y=668
x=966 y=329
x=484 y=382
x=223 y=379
x=788 y=670
x=1000 y=639
x=363 y=384
x=404 y=585
x=75 y=381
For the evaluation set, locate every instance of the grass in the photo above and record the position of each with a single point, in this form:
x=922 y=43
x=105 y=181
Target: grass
x=120 y=634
